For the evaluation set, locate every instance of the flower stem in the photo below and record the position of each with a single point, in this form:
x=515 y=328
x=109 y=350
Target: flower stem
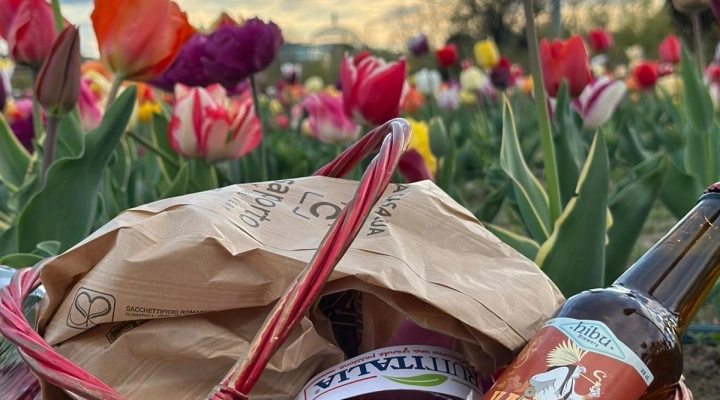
x=36 y=110
x=546 y=139
x=57 y=16
x=697 y=35
x=709 y=160
x=263 y=142
x=151 y=146
x=117 y=81
x=49 y=146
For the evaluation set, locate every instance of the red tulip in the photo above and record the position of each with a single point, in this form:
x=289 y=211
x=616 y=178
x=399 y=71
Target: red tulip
x=565 y=60
x=139 y=39
x=712 y=73
x=669 y=49
x=29 y=29
x=372 y=89
x=600 y=40
x=447 y=56
x=645 y=74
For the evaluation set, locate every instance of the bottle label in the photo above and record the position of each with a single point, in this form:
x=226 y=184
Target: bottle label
x=571 y=359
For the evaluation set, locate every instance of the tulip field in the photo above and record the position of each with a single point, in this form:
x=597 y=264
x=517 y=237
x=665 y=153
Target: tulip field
x=576 y=163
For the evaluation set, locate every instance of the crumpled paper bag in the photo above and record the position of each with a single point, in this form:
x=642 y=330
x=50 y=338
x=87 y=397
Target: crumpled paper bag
x=161 y=301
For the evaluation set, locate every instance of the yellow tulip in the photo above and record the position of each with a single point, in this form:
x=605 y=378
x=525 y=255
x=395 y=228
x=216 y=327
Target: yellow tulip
x=420 y=142
x=487 y=54
x=670 y=85
x=468 y=98
x=314 y=84
x=473 y=79
x=275 y=106
x=146 y=110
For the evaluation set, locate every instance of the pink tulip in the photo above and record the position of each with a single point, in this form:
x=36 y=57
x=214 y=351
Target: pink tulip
x=89 y=107
x=327 y=121
x=206 y=124
x=372 y=89
x=29 y=29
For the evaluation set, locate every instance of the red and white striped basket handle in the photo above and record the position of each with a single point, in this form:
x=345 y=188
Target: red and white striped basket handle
x=390 y=140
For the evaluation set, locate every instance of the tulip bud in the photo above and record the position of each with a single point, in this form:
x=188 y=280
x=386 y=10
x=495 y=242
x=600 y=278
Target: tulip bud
x=58 y=84
x=690 y=6
x=487 y=54
x=438 y=137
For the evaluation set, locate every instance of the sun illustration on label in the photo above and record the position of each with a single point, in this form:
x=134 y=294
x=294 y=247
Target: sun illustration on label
x=564 y=367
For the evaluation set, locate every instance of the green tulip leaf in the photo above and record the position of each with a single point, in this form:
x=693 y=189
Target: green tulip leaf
x=14 y=158
x=696 y=97
x=569 y=151
x=48 y=248
x=19 y=199
x=122 y=165
x=8 y=241
x=493 y=203
x=140 y=191
x=631 y=205
x=70 y=139
x=159 y=134
x=424 y=380
x=20 y=260
x=679 y=192
x=179 y=185
x=631 y=145
x=74 y=184
x=574 y=255
x=202 y=176
x=695 y=160
x=111 y=194
x=531 y=197
x=524 y=245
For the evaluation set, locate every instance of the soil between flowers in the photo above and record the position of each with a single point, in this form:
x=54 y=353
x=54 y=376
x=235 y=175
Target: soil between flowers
x=702 y=370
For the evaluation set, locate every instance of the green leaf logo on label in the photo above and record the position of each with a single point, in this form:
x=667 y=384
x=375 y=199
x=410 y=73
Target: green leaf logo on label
x=425 y=380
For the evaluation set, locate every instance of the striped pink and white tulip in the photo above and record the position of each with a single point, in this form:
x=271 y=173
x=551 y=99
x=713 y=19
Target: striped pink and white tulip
x=205 y=123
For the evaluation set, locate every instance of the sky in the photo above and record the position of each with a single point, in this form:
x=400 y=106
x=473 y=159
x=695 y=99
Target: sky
x=299 y=19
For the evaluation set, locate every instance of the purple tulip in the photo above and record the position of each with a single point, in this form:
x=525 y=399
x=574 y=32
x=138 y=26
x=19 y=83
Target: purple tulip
x=21 y=122
x=418 y=45
x=233 y=53
x=501 y=75
x=187 y=68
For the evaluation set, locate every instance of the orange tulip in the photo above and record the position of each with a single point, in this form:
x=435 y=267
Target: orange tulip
x=96 y=66
x=139 y=39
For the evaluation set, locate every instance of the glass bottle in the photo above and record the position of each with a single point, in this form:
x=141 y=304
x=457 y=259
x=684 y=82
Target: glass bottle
x=623 y=342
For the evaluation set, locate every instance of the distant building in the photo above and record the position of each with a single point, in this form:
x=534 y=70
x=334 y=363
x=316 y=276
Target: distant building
x=323 y=52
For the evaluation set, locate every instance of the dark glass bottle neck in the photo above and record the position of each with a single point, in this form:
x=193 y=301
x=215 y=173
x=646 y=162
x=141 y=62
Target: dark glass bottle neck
x=681 y=269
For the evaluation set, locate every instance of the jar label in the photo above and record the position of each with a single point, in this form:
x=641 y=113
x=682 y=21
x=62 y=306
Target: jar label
x=571 y=359
x=407 y=368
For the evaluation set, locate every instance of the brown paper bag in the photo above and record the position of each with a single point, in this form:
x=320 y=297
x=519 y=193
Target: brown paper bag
x=161 y=301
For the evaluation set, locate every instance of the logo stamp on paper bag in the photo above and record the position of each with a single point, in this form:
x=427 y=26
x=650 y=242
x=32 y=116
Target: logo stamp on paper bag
x=90 y=308
x=313 y=205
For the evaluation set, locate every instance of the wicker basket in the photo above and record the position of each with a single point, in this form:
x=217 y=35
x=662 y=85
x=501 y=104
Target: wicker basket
x=390 y=139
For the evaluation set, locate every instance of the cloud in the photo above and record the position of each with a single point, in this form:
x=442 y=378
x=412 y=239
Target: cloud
x=300 y=20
